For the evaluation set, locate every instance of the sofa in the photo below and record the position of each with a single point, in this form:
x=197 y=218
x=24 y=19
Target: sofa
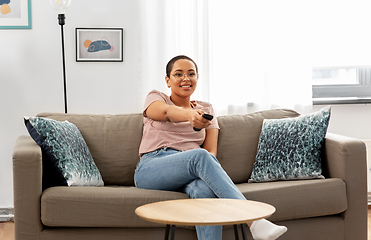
x=329 y=208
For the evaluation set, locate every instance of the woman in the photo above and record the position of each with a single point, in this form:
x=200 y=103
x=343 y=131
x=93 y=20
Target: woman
x=175 y=157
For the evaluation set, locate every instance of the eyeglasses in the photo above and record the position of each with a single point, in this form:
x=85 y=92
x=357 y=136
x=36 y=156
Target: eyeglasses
x=181 y=76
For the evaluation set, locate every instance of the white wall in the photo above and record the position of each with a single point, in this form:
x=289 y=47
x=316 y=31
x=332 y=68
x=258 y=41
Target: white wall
x=31 y=71
x=31 y=76
x=353 y=120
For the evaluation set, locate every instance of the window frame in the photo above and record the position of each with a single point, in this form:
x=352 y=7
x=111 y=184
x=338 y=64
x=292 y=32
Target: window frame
x=359 y=92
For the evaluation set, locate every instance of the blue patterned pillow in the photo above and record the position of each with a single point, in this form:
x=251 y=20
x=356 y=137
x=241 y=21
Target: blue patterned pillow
x=67 y=159
x=290 y=148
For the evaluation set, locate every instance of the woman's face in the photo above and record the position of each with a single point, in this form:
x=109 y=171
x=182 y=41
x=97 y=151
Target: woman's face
x=183 y=78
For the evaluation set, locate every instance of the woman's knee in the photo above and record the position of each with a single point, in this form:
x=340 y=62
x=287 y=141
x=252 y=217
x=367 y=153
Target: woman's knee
x=201 y=151
x=203 y=155
x=199 y=189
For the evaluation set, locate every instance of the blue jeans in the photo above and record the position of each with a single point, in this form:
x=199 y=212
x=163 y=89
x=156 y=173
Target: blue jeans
x=195 y=172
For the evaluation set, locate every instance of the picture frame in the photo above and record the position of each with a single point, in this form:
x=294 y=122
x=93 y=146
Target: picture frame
x=15 y=14
x=99 y=45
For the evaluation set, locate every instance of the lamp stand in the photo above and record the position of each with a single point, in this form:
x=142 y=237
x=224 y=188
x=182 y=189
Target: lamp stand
x=61 y=18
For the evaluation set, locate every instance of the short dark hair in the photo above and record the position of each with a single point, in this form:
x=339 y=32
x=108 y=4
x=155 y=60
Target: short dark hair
x=170 y=64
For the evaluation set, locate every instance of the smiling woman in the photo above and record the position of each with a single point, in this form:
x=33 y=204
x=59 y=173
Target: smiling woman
x=179 y=146
x=182 y=80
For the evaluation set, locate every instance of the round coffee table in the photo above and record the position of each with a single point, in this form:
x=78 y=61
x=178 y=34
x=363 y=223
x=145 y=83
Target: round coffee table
x=204 y=211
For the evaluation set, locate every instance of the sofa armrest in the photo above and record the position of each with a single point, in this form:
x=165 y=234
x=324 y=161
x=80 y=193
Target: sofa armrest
x=345 y=158
x=27 y=184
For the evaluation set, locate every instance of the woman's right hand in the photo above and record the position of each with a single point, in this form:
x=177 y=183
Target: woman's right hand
x=196 y=119
x=160 y=111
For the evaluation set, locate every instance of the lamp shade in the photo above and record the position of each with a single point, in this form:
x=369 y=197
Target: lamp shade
x=60 y=5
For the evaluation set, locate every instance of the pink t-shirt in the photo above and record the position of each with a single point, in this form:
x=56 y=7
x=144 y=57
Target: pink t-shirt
x=178 y=136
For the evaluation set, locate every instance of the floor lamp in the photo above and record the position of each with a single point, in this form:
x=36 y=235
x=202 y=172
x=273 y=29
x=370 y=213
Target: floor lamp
x=61 y=6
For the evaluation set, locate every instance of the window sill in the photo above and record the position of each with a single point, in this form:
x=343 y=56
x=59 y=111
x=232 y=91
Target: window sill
x=341 y=100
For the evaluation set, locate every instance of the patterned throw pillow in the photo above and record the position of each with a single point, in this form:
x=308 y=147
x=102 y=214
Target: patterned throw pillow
x=67 y=159
x=290 y=148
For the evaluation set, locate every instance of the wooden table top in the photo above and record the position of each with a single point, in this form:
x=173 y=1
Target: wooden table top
x=205 y=211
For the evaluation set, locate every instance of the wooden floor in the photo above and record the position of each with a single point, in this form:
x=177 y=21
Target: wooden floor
x=7 y=228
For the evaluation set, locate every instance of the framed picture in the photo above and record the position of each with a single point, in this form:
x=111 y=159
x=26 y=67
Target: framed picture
x=15 y=14
x=99 y=44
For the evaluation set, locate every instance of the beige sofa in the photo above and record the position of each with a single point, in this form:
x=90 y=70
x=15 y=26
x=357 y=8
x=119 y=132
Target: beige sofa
x=333 y=208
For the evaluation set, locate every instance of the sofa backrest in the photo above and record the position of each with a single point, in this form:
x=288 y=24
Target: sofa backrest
x=114 y=140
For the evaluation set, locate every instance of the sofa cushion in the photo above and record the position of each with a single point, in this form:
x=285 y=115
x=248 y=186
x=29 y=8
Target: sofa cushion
x=67 y=155
x=298 y=199
x=109 y=206
x=114 y=206
x=291 y=148
x=113 y=141
x=238 y=140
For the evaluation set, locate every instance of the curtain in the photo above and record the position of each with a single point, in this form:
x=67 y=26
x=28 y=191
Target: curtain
x=252 y=55
x=260 y=56
x=170 y=28
x=340 y=35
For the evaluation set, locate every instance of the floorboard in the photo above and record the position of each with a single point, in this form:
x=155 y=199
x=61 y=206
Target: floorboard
x=7 y=230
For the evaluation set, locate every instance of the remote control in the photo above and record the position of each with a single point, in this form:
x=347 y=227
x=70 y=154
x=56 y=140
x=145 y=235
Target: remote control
x=206 y=116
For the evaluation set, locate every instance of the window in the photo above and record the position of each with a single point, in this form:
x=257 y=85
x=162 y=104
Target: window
x=334 y=76
x=341 y=85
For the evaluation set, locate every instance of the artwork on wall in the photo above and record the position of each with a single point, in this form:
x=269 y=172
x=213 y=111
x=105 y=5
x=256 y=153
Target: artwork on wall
x=99 y=44
x=15 y=14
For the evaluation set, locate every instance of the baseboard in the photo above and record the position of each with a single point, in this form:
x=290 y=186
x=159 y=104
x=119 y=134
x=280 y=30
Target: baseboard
x=6 y=214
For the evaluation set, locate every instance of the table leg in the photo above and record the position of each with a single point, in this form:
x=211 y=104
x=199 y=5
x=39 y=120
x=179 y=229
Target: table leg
x=236 y=231
x=172 y=232
x=243 y=231
x=167 y=232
